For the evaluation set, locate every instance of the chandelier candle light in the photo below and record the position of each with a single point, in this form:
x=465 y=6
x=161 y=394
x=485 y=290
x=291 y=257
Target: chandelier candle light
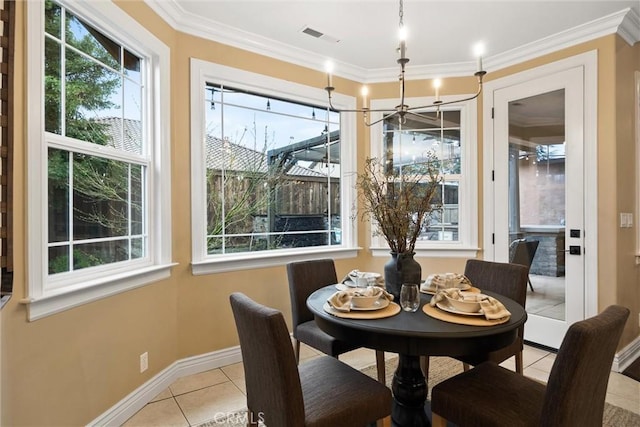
x=402 y=109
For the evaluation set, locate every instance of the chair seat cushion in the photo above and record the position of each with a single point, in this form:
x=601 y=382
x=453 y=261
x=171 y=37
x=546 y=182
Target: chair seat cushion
x=336 y=395
x=491 y=393
x=310 y=334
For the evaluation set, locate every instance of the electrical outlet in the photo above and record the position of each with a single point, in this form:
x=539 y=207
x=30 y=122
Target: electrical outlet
x=144 y=361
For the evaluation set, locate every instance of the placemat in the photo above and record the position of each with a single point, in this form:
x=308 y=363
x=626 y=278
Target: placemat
x=391 y=310
x=471 y=289
x=436 y=313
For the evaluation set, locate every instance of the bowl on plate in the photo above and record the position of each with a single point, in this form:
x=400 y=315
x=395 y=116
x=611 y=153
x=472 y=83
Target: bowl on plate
x=469 y=303
x=366 y=298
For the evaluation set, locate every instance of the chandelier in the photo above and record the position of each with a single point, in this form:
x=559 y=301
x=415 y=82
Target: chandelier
x=402 y=110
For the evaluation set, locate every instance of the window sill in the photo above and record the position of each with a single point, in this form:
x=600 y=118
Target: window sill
x=65 y=299
x=247 y=261
x=444 y=252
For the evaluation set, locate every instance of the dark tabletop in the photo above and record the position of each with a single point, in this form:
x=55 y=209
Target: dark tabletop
x=417 y=333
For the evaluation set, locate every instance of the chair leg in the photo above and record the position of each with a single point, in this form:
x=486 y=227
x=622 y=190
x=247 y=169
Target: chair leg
x=530 y=285
x=465 y=367
x=296 y=350
x=437 y=420
x=385 y=422
x=382 y=377
x=519 y=363
x=424 y=366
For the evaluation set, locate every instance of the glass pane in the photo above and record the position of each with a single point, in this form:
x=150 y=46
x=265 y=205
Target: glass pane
x=52 y=87
x=137 y=200
x=93 y=101
x=100 y=253
x=271 y=178
x=410 y=143
x=137 y=248
x=59 y=259
x=52 y=17
x=92 y=42
x=537 y=198
x=443 y=225
x=100 y=194
x=58 y=196
x=132 y=67
x=132 y=129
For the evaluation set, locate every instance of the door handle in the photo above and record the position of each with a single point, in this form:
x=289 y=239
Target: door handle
x=574 y=250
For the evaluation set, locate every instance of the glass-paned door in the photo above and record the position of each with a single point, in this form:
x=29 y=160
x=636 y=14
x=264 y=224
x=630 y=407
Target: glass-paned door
x=539 y=197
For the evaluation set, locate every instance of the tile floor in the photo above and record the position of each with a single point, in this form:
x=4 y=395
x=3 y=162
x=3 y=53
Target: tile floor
x=210 y=395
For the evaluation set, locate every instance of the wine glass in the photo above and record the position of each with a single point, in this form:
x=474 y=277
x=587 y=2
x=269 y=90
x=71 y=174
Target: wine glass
x=410 y=297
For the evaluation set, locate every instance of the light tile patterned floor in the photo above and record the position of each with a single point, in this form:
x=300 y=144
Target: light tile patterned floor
x=212 y=394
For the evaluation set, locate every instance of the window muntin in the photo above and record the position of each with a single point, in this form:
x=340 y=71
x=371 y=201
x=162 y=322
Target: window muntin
x=96 y=199
x=272 y=172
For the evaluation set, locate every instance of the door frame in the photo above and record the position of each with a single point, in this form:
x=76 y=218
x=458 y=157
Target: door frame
x=589 y=62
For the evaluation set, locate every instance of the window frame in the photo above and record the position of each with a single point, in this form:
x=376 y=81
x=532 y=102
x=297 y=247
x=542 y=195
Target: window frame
x=204 y=263
x=467 y=245
x=51 y=294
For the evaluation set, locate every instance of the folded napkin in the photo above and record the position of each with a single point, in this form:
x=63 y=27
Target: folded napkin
x=491 y=307
x=354 y=273
x=445 y=280
x=341 y=300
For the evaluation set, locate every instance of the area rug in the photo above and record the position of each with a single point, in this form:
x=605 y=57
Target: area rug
x=441 y=368
x=633 y=371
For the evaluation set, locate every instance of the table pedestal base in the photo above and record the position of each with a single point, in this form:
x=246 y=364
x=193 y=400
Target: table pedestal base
x=409 y=394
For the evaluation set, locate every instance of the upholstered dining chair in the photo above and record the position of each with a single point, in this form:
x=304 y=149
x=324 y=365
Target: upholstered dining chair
x=523 y=252
x=319 y=392
x=505 y=279
x=305 y=277
x=490 y=395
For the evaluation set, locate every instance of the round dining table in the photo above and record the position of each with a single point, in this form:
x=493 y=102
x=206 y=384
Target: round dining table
x=415 y=334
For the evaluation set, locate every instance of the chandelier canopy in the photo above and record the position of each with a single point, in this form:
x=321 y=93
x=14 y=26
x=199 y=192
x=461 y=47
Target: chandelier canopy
x=402 y=110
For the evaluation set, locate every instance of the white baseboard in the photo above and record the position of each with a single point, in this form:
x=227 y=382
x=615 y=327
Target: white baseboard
x=136 y=400
x=626 y=356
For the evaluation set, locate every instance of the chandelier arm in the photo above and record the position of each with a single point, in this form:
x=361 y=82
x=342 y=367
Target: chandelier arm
x=379 y=120
x=439 y=104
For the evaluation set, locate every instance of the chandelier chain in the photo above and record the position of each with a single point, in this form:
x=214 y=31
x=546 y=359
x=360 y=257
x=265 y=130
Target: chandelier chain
x=401 y=13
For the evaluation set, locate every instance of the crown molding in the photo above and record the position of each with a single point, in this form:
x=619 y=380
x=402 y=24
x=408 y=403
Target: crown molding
x=626 y=23
x=610 y=24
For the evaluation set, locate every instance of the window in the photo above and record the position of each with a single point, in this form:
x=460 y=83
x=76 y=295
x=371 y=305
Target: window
x=269 y=168
x=449 y=134
x=94 y=161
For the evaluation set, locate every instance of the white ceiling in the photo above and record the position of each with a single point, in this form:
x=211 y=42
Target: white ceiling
x=441 y=33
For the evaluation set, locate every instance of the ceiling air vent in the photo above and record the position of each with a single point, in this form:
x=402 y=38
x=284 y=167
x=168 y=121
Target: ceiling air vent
x=319 y=35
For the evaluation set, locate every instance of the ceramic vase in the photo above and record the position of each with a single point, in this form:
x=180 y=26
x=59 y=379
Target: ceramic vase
x=401 y=268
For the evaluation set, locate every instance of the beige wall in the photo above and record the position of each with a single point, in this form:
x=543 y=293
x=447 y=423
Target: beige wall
x=68 y=368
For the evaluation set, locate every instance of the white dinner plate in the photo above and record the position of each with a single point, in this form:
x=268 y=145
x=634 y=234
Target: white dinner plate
x=378 y=305
x=443 y=305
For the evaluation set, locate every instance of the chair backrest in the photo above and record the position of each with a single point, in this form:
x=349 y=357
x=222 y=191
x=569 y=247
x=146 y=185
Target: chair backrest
x=305 y=277
x=577 y=385
x=524 y=252
x=503 y=278
x=271 y=373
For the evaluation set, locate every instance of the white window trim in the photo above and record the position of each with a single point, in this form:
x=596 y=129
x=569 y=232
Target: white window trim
x=467 y=246
x=82 y=287
x=203 y=263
